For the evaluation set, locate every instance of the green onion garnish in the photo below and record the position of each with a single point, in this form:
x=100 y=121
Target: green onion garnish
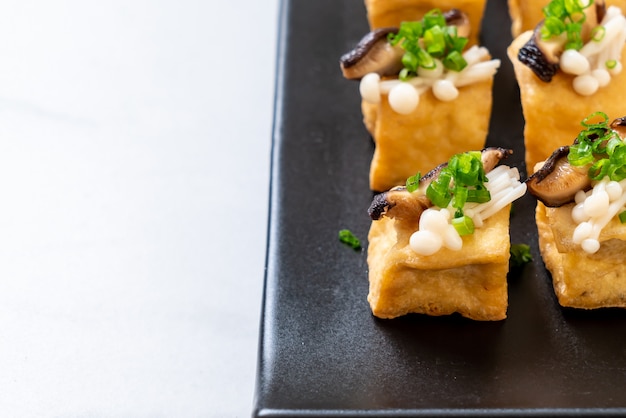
x=434 y=18
x=434 y=41
x=425 y=40
x=597 y=33
x=622 y=217
x=610 y=64
x=566 y=16
x=601 y=148
x=439 y=191
x=413 y=183
x=347 y=237
x=463 y=225
x=454 y=61
x=520 y=254
x=461 y=181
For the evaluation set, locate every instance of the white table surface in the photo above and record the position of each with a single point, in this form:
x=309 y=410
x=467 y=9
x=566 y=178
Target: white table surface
x=134 y=173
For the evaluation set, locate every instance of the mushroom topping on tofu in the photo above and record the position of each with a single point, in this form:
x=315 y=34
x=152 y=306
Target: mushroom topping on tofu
x=591 y=176
x=400 y=64
x=455 y=17
x=571 y=40
x=401 y=203
x=598 y=153
x=557 y=181
x=450 y=201
x=541 y=56
x=373 y=54
x=619 y=126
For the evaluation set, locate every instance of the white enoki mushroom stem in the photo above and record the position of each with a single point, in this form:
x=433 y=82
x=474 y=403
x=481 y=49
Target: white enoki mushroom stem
x=589 y=78
x=610 y=13
x=475 y=54
x=615 y=50
x=420 y=84
x=612 y=29
x=433 y=234
x=477 y=70
x=506 y=189
x=589 y=228
x=594 y=74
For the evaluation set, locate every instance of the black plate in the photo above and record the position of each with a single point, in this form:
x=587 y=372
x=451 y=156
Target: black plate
x=321 y=351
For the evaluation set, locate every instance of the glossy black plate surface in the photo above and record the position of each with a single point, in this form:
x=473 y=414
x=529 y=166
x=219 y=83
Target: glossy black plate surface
x=322 y=353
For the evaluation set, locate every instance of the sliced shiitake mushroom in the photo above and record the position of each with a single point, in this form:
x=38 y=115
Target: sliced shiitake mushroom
x=619 y=126
x=542 y=55
x=557 y=181
x=455 y=17
x=400 y=203
x=374 y=54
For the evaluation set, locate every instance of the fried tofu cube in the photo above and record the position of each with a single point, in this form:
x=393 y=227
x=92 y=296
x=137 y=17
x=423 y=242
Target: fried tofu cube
x=550 y=107
x=471 y=281
x=582 y=280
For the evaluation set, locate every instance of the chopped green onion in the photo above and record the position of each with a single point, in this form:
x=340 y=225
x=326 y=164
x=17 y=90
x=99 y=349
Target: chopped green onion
x=599 y=169
x=425 y=60
x=348 y=238
x=597 y=33
x=459 y=198
x=438 y=191
x=413 y=183
x=610 y=64
x=612 y=144
x=520 y=254
x=405 y=74
x=622 y=217
x=463 y=225
x=461 y=181
x=601 y=148
x=434 y=18
x=478 y=195
x=580 y=154
x=467 y=168
x=410 y=61
x=574 y=36
x=554 y=8
x=587 y=124
x=425 y=40
x=455 y=61
x=435 y=41
x=552 y=26
x=565 y=16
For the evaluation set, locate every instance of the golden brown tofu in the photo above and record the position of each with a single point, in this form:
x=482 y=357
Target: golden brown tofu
x=550 y=107
x=385 y=13
x=433 y=132
x=582 y=280
x=526 y=14
x=471 y=281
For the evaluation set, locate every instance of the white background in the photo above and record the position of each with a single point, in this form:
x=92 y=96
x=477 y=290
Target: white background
x=134 y=173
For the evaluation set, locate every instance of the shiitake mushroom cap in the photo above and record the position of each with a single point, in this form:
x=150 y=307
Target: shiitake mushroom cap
x=375 y=54
x=557 y=181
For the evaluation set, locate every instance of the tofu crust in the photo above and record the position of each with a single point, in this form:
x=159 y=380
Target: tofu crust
x=582 y=280
x=472 y=281
x=433 y=132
